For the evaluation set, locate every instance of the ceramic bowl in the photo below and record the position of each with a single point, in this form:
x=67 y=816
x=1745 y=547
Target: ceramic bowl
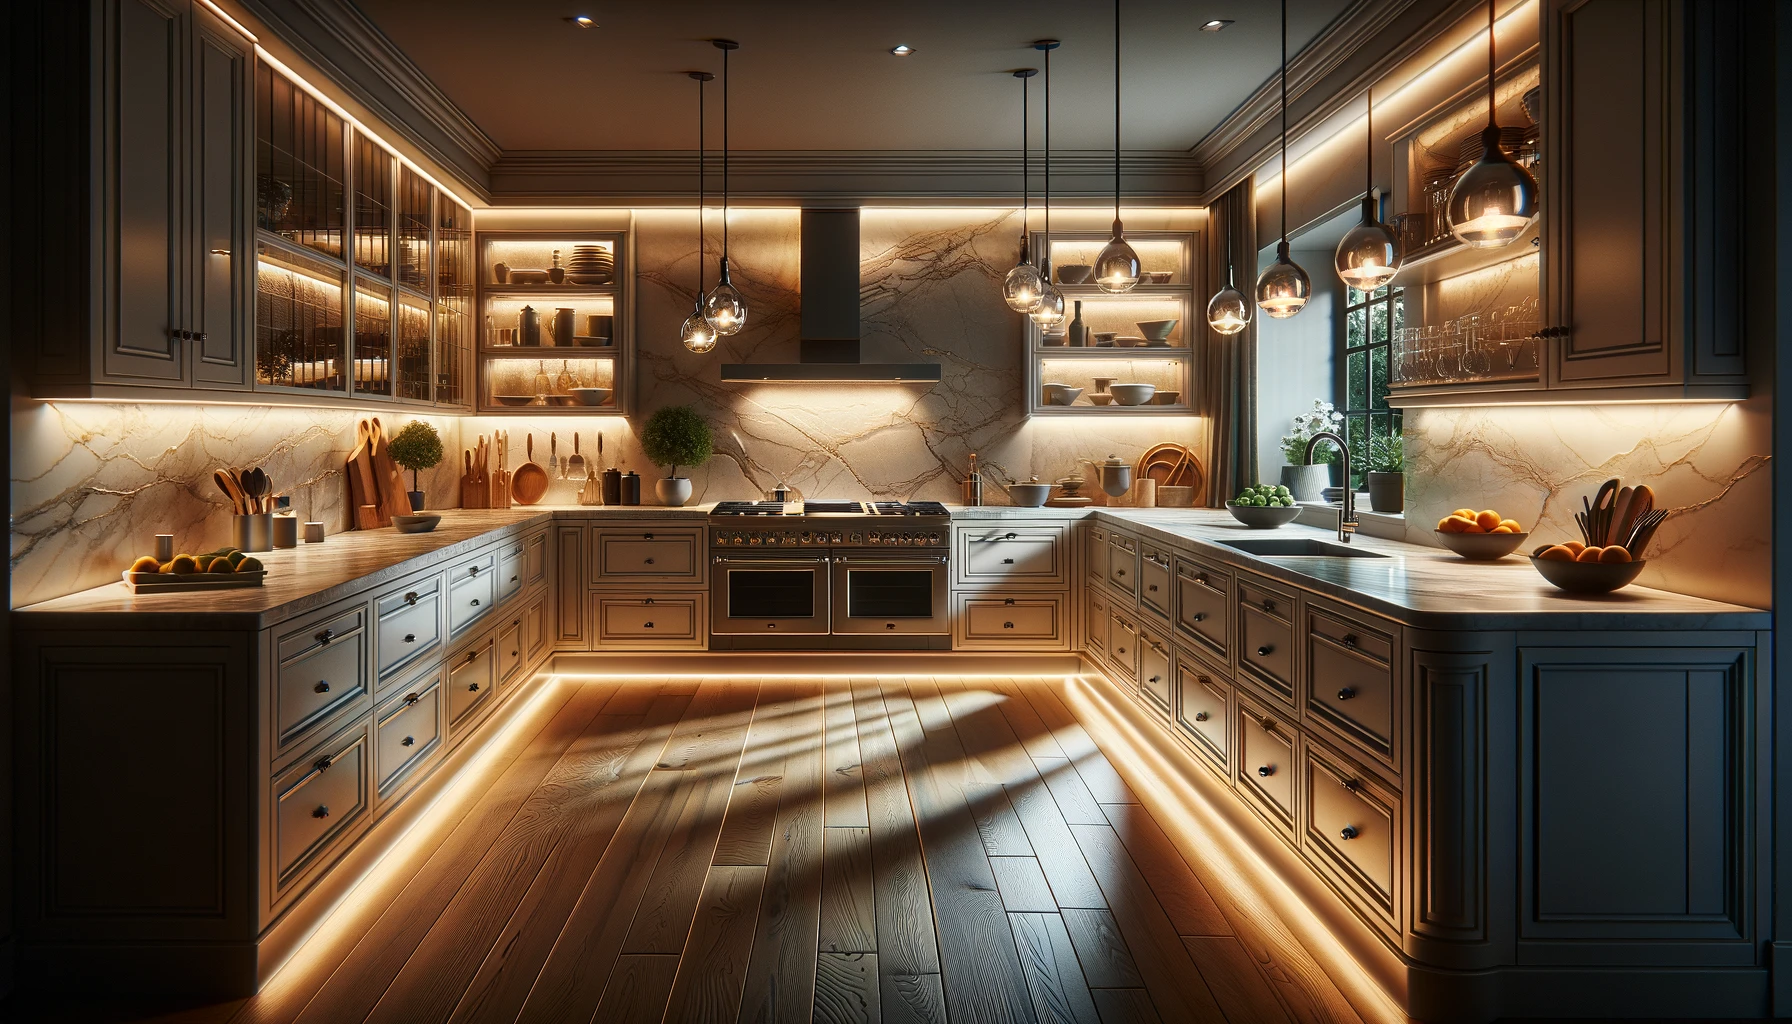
x=1133 y=394
x=591 y=396
x=1158 y=276
x=1165 y=398
x=513 y=400
x=1029 y=495
x=1156 y=330
x=1589 y=577
x=528 y=277
x=1101 y=337
x=1075 y=273
x=1264 y=517
x=1128 y=341
x=1481 y=547
x=1101 y=398
x=1061 y=394
x=421 y=523
x=561 y=400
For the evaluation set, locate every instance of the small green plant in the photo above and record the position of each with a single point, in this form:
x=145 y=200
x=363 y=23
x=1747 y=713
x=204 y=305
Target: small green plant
x=1323 y=417
x=676 y=436
x=416 y=447
x=1387 y=454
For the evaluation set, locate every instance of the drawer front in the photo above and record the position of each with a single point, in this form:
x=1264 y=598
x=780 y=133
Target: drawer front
x=1156 y=675
x=1202 y=701
x=1031 y=620
x=472 y=682
x=326 y=672
x=535 y=626
x=1097 y=547
x=649 y=622
x=1031 y=555
x=410 y=624
x=1350 y=827
x=510 y=572
x=1123 y=645
x=1203 y=604
x=470 y=593
x=1095 y=621
x=1155 y=588
x=510 y=648
x=319 y=799
x=408 y=730
x=535 y=558
x=1123 y=563
x=1266 y=764
x=1349 y=686
x=663 y=555
x=1266 y=636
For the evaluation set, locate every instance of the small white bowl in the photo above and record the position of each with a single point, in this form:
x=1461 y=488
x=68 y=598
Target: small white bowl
x=1133 y=394
x=1061 y=394
x=591 y=396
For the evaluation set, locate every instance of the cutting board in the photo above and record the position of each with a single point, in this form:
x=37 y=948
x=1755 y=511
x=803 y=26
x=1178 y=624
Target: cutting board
x=363 y=491
x=393 y=498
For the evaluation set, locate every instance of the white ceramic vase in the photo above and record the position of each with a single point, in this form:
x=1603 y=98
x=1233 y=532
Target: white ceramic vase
x=673 y=491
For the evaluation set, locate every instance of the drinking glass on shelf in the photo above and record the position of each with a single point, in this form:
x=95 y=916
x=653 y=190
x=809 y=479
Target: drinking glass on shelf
x=543 y=385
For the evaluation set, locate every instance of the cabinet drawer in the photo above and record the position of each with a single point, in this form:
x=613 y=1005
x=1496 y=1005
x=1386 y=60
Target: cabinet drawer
x=1155 y=588
x=1202 y=705
x=1203 y=605
x=510 y=571
x=535 y=626
x=408 y=730
x=1155 y=668
x=317 y=800
x=1123 y=645
x=510 y=648
x=1097 y=546
x=1266 y=762
x=1350 y=827
x=1031 y=620
x=1351 y=681
x=535 y=558
x=1032 y=555
x=665 y=555
x=1095 y=621
x=410 y=623
x=472 y=682
x=470 y=592
x=649 y=622
x=1266 y=637
x=323 y=668
x=1123 y=563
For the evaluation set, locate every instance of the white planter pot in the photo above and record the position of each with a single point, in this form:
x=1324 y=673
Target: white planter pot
x=672 y=491
x=1306 y=482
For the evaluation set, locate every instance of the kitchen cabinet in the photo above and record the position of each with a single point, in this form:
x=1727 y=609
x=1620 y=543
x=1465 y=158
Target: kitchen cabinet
x=565 y=341
x=1011 y=585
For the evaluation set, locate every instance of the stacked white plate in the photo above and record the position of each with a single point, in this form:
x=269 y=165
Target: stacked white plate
x=590 y=264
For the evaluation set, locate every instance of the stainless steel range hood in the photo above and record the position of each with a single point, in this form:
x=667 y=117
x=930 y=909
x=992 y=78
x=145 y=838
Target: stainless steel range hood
x=830 y=298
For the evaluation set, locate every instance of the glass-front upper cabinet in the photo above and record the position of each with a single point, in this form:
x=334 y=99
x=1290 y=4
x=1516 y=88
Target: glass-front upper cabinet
x=416 y=211
x=454 y=301
x=373 y=207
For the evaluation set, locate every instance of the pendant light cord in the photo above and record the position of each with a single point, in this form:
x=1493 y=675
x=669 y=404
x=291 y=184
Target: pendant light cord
x=1369 y=149
x=1116 y=110
x=1048 y=157
x=725 y=151
x=701 y=196
x=1284 y=121
x=1026 y=167
x=1490 y=65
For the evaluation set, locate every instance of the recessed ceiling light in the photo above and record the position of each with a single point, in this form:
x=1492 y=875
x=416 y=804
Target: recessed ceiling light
x=583 y=20
x=902 y=49
x=1216 y=25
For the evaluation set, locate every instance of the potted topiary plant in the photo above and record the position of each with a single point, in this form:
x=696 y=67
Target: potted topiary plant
x=1308 y=482
x=1387 y=474
x=416 y=447
x=676 y=436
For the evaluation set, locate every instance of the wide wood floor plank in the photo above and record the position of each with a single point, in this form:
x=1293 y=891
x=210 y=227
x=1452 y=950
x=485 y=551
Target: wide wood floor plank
x=1030 y=731
x=1022 y=885
x=753 y=805
x=364 y=975
x=780 y=981
x=1060 y=995
x=1232 y=975
x=1190 y=906
x=846 y=989
x=713 y=968
x=848 y=896
x=709 y=737
x=638 y=989
x=844 y=784
x=1097 y=772
x=503 y=982
x=1107 y=963
x=906 y=945
x=1125 y=1006
x=1176 y=988
x=1075 y=802
x=912 y=998
x=997 y=824
x=980 y=968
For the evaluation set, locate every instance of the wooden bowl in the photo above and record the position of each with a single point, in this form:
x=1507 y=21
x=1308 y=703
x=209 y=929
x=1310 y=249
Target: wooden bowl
x=1264 y=517
x=1481 y=547
x=422 y=523
x=1589 y=577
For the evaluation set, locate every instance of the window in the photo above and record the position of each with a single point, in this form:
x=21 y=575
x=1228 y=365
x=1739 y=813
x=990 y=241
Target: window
x=1370 y=320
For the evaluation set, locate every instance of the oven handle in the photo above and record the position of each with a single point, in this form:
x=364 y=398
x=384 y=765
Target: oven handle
x=759 y=562
x=916 y=560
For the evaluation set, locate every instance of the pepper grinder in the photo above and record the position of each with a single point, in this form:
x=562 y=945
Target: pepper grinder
x=973 y=484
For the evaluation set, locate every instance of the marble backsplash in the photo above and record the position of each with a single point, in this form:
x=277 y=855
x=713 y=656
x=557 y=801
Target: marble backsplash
x=1709 y=464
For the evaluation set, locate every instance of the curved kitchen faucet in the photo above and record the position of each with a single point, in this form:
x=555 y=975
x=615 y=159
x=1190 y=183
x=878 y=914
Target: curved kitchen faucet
x=1346 y=516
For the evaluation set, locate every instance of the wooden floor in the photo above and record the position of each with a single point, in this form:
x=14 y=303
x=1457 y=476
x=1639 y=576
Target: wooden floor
x=793 y=849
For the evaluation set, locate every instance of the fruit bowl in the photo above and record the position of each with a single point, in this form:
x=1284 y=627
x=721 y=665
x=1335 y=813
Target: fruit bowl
x=1481 y=547
x=1264 y=517
x=1588 y=577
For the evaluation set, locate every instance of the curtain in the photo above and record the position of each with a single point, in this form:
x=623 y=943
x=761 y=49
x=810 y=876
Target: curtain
x=1227 y=365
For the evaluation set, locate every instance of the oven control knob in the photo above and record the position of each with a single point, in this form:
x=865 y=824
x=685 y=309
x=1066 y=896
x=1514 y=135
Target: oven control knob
x=805 y=536
x=755 y=540
x=933 y=538
x=836 y=538
x=871 y=537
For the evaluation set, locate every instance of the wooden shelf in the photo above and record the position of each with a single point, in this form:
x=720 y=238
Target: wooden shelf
x=503 y=369
x=1179 y=409
x=1442 y=260
x=535 y=290
x=1089 y=291
x=1110 y=352
x=550 y=352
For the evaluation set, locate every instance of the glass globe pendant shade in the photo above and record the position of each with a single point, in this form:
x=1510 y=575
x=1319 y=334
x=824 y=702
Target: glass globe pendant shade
x=1050 y=311
x=1117 y=265
x=1368 y=254
x=725 y=307
x=1283 y=289
x=698 y=334
x=1228 y=311
x=1022 y=288
x=1495 y=200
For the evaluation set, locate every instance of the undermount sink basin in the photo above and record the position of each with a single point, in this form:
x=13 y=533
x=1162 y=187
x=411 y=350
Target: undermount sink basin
x=1307 y=547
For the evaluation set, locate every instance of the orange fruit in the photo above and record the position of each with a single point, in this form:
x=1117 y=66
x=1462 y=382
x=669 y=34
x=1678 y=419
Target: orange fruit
x=1455 y=524
x=1488 y=519
x=1442 y=524
x=1502 y=528
x=1512 y=524
x=1575 y=546
x=1466 y=513
x=1615 y=553
x=1557 y=553
x=1473 y=527
x=1588 y=555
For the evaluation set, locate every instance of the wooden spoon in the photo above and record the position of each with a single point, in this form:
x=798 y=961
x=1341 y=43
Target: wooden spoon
x=223 y=479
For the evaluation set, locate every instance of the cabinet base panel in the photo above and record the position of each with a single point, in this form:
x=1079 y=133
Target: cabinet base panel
x=648 y=663
x=1648 y=993
x=225 y=970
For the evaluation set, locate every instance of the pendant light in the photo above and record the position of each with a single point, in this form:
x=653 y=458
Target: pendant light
x=1021 y=288
x=1495 y=200
x=726 y=307
x=1368 y=254
x=1283 y=289
x=1050 y=311
x=1117 y=265
x=1228 y=311
x=698 y=334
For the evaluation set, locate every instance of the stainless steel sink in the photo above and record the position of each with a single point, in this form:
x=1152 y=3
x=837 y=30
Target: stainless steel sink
x=1305 y=547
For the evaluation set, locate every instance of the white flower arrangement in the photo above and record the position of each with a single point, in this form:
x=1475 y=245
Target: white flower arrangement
x=1323 y=417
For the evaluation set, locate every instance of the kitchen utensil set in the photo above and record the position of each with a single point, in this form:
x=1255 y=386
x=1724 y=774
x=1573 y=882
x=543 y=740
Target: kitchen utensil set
x=1625 y=516
x=481 y=485
x=249 y=490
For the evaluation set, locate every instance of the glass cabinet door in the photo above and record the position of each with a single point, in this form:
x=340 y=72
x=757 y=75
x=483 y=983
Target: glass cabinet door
x=415 y=213
x=373 y=337
x=373 y=207
x=300 y=165
x=298 y=320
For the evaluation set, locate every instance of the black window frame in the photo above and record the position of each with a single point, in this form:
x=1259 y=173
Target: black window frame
x=1362 y=367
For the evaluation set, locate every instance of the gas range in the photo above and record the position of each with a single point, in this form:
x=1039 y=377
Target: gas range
x=827 y=524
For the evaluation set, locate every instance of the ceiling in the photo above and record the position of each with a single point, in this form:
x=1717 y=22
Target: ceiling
x=817 y=74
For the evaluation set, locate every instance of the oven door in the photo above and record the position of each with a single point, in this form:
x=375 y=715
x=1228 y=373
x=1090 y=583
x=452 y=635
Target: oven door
x=890 y=595
x=772 y=596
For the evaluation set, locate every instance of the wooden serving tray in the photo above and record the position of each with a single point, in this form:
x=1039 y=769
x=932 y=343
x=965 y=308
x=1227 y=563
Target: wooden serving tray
x=169 y=583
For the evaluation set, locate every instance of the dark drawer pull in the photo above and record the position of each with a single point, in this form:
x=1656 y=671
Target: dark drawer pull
x=1268 y=723
x=1200 y=716
x=1119 y=572
x=1007 y=561
x=407 y=741
x=649 y=561
x=410 y=598
x=1152 y=588
x=326 y=636
x=1350 y=785
x=1201 y=579
x=321 y=812
x=1265 y=650
x=410 y=638
x=323 y=764
x=472 y=570
x=1008 y=600
x=322 y=686
x=412 y=698
x=472 y=656
x=1198 y=617
x=1007 y=625
x=472 y=687
x=1122 y=650
x=1346 y=693
x=647 y=600
x=474 y=602
x=889 y=625
x=513 y=579
x=1348 y=832
x=1265 y=770
x=1348 y=640
x=1010 y=536
x=647 y=536
x=1269 y=606
x=646 y=625
x=1153 y=679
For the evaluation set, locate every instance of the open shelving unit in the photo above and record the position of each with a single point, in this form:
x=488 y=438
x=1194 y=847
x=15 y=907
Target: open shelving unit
x=1167 y=366
x=542 y=371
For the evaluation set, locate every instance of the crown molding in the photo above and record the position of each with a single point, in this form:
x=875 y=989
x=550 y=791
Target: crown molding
x=669 y=177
